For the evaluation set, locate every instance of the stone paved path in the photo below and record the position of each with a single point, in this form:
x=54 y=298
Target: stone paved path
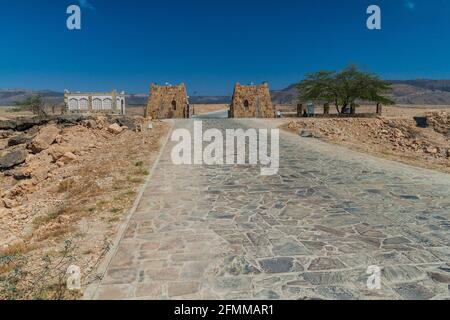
x=225 y=232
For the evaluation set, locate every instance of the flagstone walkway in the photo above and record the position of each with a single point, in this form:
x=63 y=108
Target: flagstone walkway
x=309 y=232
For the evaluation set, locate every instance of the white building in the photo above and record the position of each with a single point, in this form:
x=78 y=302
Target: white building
x=111 y=102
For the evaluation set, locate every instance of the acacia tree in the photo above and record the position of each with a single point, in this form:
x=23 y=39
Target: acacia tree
x=34 y=104
x=344 y=88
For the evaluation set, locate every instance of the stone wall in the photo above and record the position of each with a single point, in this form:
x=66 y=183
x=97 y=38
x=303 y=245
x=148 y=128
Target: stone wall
x=167 y=102
x=252 y=102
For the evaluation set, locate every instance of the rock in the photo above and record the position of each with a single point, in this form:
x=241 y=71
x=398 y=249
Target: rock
x=69 y=120
x=447 y=153
x=90 y=124
x=306 y=134
x=277 y=265
x=439 y=277
x=13 y=159
x=68 y=157
x=115 y=128
x=18 y=174
x=7 y=125
x=123 y=121
x=18 y=140
x=22 y=175
x=57 y=151
x=23 y=124
x=45 y=138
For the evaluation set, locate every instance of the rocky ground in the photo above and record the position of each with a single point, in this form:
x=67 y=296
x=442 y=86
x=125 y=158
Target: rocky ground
x=65 y=184
x=423 y=141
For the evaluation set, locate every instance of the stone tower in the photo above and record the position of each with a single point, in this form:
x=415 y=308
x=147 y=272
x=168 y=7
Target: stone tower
x=252 y=101
x=167 y=102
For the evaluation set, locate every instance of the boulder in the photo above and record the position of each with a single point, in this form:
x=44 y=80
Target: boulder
x=128 y=122
x=90 y=124
x=7 y=125
x=24 y=124
x=115 y=128
x=309 y=134
x=18 y=174
x=12 y=159
x=306 y=134
x=18 y=140
x=70 y=120
x=45 y=138
x=57 y=151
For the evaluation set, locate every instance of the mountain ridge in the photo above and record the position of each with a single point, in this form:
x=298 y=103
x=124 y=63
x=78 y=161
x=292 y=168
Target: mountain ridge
x=415 y=92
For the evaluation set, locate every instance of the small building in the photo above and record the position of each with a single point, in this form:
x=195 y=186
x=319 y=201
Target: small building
x=252 y=101
x=167 y=102
x=109 y=102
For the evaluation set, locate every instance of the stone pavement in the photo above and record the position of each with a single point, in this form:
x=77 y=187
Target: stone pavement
x=310 y=232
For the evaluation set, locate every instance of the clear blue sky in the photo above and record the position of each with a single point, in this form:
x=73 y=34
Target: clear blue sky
x=211 y=44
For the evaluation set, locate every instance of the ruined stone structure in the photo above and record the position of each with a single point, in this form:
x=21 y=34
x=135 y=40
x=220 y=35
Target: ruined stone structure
x=253 y=101
x=167 y=102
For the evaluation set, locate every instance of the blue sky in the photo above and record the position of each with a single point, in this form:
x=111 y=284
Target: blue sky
x=211 y=44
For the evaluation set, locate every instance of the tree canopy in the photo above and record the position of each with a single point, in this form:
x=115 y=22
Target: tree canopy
x=344 y=88
x=34 y=104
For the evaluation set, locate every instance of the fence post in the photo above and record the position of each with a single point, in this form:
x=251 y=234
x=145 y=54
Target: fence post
x=299 y=110
x=379 y=109
x=326 y=109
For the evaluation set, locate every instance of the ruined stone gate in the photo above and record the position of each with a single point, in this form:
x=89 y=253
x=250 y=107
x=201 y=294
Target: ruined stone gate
x=249 y=101
x=167 y=102
x=252 y=101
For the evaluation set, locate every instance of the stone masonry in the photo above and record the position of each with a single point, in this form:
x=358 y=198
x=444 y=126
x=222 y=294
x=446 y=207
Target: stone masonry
x=167 y=102
x=252 y=101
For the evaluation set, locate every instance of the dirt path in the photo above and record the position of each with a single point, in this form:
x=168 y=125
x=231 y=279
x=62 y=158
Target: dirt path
x=311 y=231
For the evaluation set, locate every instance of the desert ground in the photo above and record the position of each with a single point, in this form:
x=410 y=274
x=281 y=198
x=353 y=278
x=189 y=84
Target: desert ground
x=64 y=201
x=397 y=135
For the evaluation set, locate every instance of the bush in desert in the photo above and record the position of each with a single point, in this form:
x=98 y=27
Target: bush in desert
x=34 y=104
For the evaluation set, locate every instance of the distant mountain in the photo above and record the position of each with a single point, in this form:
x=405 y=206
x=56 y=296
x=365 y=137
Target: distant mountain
x=439 y=85
x=421 y=91
x=9 y=96
x=210 y=100
x=415 y=92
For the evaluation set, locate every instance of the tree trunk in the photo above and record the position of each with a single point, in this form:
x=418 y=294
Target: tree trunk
x=337 y=107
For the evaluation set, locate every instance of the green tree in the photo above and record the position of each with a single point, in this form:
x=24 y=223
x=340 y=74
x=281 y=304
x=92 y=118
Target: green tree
x=344 y=88
x=34 y=104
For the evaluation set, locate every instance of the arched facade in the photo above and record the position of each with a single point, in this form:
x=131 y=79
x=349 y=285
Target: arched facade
x=95 y=102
